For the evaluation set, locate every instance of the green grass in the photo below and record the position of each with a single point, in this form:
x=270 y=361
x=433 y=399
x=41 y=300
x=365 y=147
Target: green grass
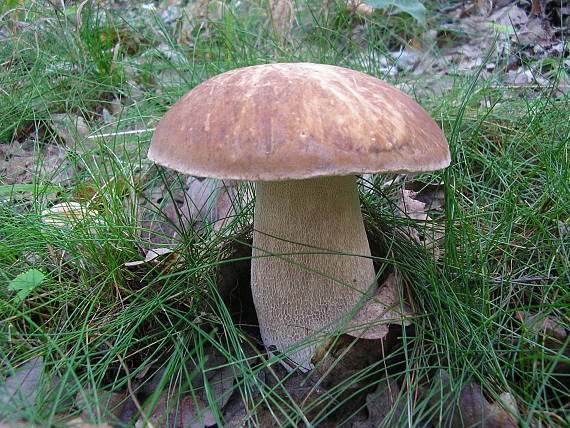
x=99 y=326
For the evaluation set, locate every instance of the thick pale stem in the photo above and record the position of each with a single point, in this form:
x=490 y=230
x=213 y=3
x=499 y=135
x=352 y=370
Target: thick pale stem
x=299 y=288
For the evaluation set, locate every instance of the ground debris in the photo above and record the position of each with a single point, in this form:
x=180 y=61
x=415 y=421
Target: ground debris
x=376 y=314
x=195 y=402
x=383 y=406
x=424 y=231
x=71 y=129
x=471 y=409
x=30 y=383
x=106 y=404
x=211 y=202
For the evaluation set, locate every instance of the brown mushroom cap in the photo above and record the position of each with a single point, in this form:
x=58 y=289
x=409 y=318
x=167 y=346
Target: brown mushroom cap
x=295 y=121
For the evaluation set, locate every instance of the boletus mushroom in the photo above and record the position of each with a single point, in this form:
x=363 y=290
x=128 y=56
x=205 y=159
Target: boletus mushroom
x=302 y=132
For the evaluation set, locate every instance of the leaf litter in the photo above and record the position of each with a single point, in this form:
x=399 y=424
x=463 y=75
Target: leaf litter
x=472 y=408
x=423 y=229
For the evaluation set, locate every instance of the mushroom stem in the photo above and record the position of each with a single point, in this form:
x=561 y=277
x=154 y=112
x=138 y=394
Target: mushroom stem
x=301 y=285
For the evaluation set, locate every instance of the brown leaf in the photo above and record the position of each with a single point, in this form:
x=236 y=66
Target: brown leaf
x=550 y=332
x=509 y=16
x=505 y=411
x=432 y=195
x=210 y=201
x=236 y=411
x=551 y=329
x=282 y=16
x=367 y=336
x=23 y=386
x=20 y=162
x=194 y=409
x=376 y=314
x=160 y=214
x=107 y=404
x=383 y=406
x=472 y=409
x=158 y=256
x=29 y=384
x=426 y=233
x=80 y=423
x=71 y=129
x=343 y=357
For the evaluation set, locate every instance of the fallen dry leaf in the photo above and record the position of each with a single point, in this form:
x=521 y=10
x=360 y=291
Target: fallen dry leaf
x=29 y=384
x=368 y=337
x=80 y=423
x=199 y=13
x=155 y=253
x=70 y=128
x=159 y=212
x=72 y=423
x=376 y=314
x=236 y=411
x=432 y=195
x=549 y=332
x=472 y=408
x=23 y=386
x=282 y=16
x=383 y=406
x=343 y=356
x=211 y=386
x=107 y=404
x=154 y=256
x=429 y=235
x=505 y=409
x=21 y=162
x=552 y=330
x=210 y=201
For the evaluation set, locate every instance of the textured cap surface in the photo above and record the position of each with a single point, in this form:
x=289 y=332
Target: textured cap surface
x=293 y=121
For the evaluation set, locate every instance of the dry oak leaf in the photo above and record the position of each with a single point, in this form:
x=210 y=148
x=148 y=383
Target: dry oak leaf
x=471 y=408
x=377 y=313
x=367 y=337
x=430 y=234
x=383 y=406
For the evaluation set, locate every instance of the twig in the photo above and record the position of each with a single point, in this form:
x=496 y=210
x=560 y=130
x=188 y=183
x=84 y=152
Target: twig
x=114 y=134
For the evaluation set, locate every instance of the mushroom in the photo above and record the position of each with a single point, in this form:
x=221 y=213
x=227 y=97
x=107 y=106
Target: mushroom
x=302 y=132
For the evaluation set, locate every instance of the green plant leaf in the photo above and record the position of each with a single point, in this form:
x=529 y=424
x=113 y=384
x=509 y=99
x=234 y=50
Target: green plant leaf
x=505 y=29
x=25 y=283
x=413 y=7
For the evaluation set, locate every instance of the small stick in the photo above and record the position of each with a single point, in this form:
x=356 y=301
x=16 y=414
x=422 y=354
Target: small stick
x=114 y=134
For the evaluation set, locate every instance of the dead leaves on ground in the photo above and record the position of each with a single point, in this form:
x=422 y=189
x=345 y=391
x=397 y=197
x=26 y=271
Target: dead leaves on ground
x=366 y=338
x=472 y=408
x=212 y=386
x=207 y=392
x=423 y=230
x=508 y=41
x=377 y=313
x=211 y=202
x=210 y=398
